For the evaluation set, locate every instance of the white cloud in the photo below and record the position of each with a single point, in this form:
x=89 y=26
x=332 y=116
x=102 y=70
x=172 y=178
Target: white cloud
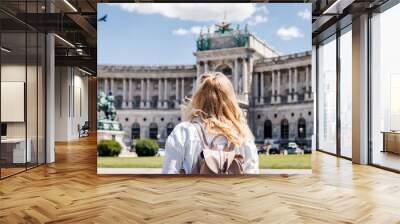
x=194 y=30
x=305 y=14
x=287 y=33
x=260 y=16
x=257 y=19
x=262 y=10
x=199 y=12
x=180 y=32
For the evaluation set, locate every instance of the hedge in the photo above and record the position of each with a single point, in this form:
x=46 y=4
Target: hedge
x=109 y=148
x=146 y=147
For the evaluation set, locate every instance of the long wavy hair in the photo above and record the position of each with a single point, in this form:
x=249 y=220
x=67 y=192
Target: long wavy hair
x=214 y=103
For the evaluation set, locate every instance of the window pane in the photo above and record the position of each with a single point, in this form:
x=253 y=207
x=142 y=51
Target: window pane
x=327 y=96
x=385 y=88
x=41 y=98
x=14 y=153
x=345 y=94
x=31 y=97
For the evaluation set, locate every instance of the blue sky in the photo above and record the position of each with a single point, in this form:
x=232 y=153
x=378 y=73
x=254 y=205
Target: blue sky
x=149 y=33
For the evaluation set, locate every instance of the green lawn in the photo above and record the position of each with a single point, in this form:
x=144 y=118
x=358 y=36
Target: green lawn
x=285 y=161
x=130 y=162
x=266 y=162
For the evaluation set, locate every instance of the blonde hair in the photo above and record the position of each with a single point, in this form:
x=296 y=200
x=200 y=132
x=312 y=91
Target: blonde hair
x=214 y=103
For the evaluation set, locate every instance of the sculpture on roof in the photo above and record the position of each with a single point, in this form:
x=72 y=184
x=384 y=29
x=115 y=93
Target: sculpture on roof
x=224 y=37
x=203 y=42
x=223 y=27
x=241 y=37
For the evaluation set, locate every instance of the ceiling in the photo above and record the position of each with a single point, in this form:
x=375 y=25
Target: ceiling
x=328 y=15
x=73 y=21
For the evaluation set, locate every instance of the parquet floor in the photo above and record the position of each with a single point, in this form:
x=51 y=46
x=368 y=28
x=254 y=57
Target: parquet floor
x=70 y=191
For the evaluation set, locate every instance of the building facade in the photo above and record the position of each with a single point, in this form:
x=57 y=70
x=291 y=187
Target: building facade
x=273 y=90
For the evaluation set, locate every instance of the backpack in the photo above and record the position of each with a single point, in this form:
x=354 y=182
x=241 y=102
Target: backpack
x=214 y=161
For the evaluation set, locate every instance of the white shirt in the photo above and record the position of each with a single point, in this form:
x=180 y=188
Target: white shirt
x=184 y=146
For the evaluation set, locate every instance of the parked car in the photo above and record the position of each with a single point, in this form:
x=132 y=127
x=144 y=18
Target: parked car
x=293 y=148
x=161 y=152
x=275 y=148
x=262 y=149
x=307 y=150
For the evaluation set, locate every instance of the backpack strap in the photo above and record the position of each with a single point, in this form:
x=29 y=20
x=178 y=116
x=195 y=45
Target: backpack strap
x=200 y=132
x=228 y=146
x=199 y=127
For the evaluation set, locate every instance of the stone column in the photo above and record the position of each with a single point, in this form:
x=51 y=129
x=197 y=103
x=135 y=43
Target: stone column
x=123 y=93
x=273 y=87
x=211 y=67
x=262 y=88
x=130 y=93
x=307 y=94
x=295 y=85
x=236 y=75
x=249 y=76
x=148 y=94
x=245 y=78
x=142 y=94
x=166 y=93
x=112 y=86
x=106 y=89
x=198 y=67
x=290 y=85
x=256 y=86
x=160 y=98
x=278 y=87
x=194 y=86
x=205 y=66
x=183 y=89
x=176 y=92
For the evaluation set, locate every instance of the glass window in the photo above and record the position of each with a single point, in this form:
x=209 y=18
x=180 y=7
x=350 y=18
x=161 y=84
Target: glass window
x=135 y=131
x=284 y=129
x=31 y=96
x=267 y=129
x=301 y=128
x=346 y=92
x=153 y=131
x=41 y=85
x=170 y=128
x=385 y=89
x=22 y=91
x=327 y=95
x=15 y=150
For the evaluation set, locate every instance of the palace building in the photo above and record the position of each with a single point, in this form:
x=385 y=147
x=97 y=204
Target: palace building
x=274 y=90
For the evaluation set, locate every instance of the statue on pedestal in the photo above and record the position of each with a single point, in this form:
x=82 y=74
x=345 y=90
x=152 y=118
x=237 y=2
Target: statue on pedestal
x=107 y=113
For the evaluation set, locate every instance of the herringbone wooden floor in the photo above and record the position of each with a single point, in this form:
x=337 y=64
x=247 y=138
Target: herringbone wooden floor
x=70 y=191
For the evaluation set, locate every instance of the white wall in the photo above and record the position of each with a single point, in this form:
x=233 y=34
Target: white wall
x=71 y=103
x=14 y=73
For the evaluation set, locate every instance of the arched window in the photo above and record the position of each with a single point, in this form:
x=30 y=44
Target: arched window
x=227 y=71
x=170 y=127
x=284 y=129
x=153 y=131
x=302 y=128
x=135 y=131
x=267 y=129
